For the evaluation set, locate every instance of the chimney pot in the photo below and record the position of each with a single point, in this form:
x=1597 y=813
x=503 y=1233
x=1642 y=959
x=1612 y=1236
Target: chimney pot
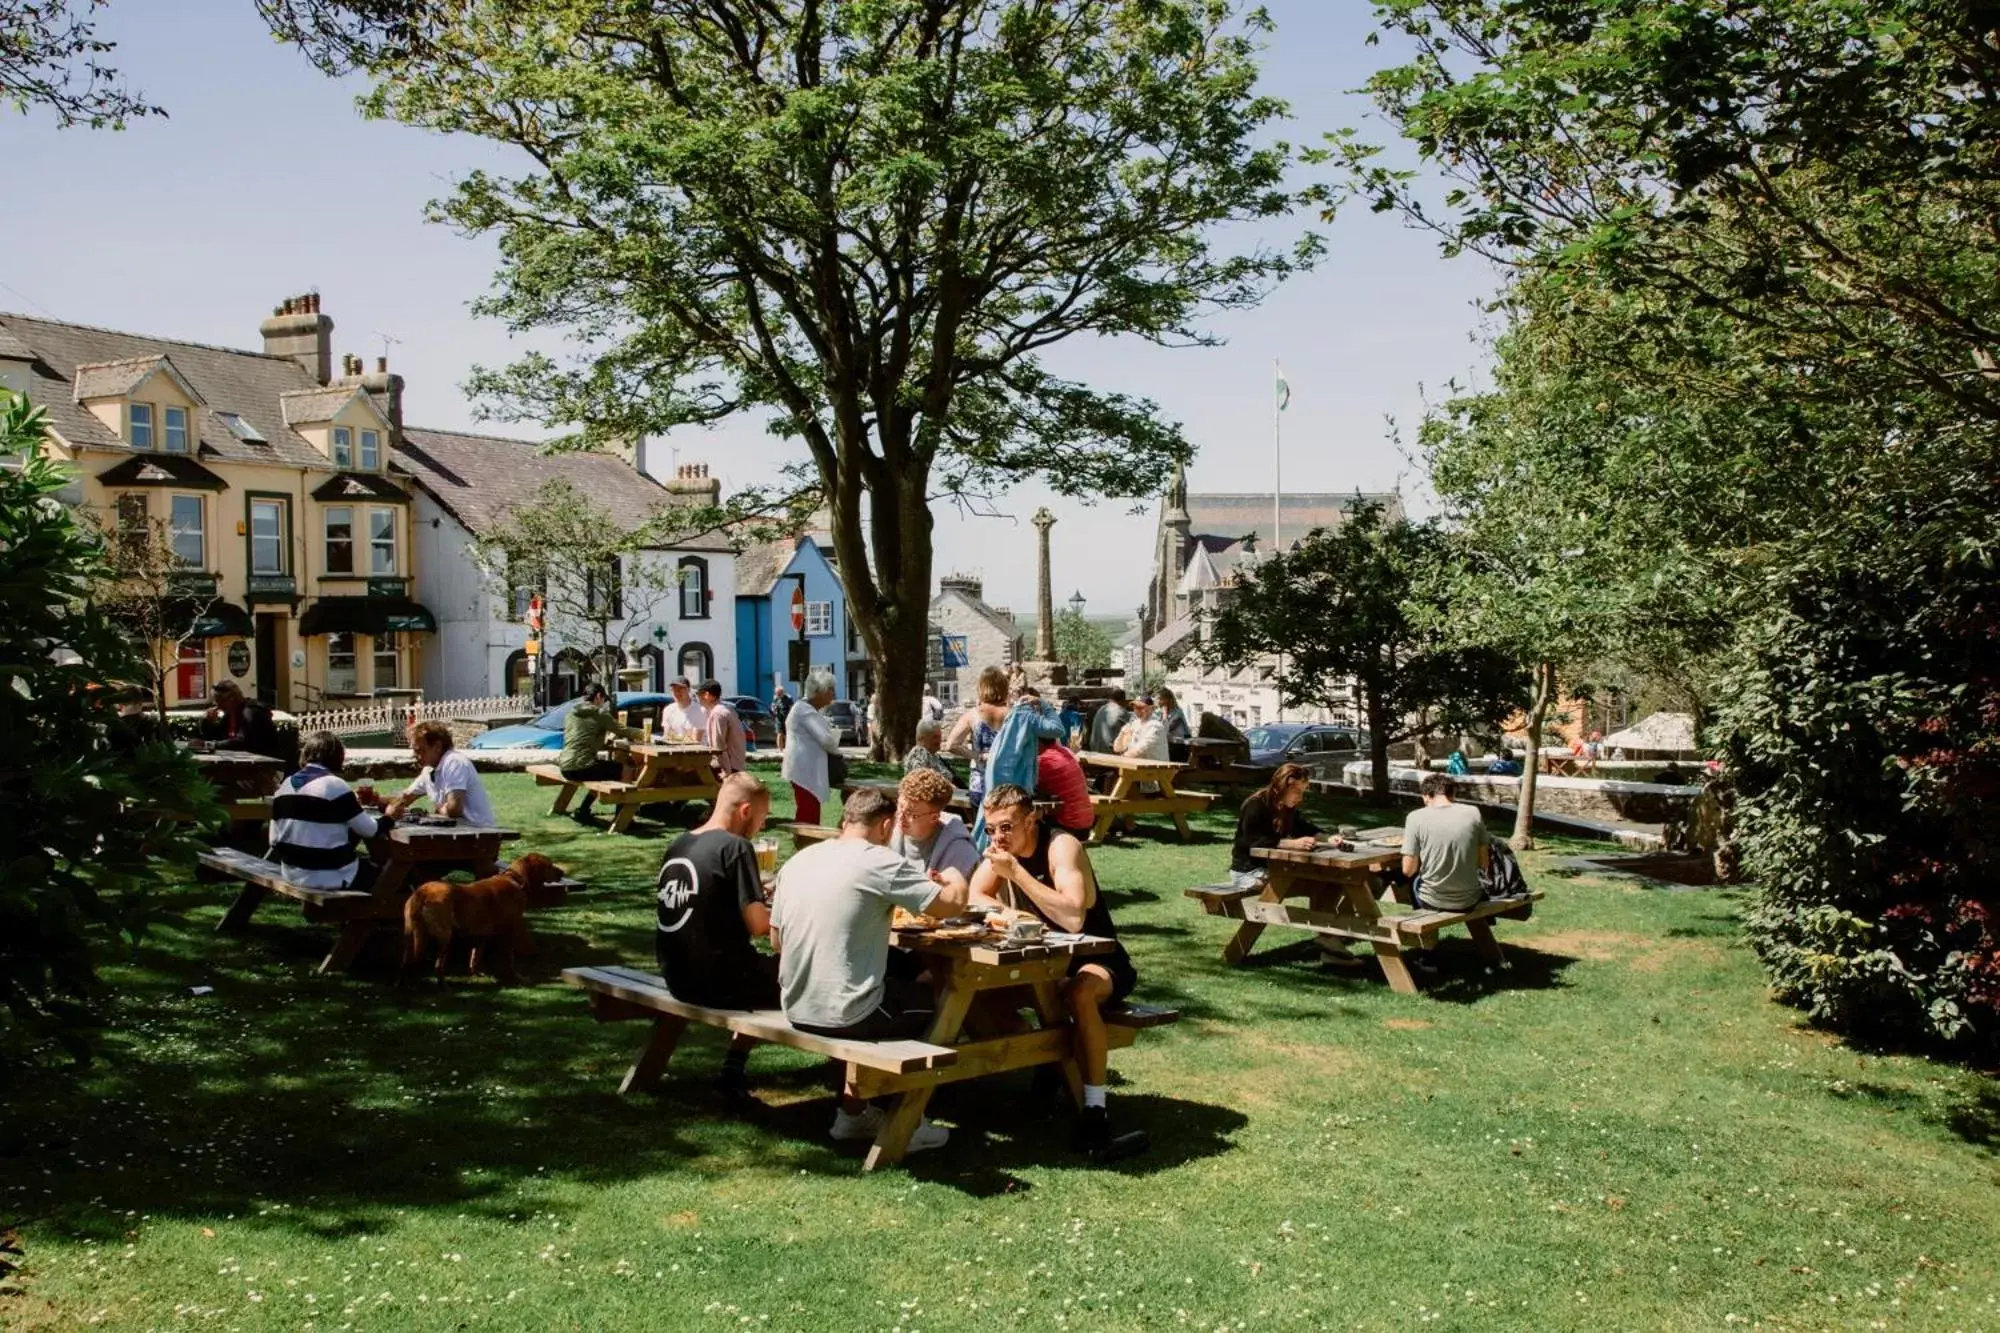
x=381 y=365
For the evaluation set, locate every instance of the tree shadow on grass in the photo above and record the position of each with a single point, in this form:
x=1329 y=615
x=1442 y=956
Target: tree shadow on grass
x=1972 y=1115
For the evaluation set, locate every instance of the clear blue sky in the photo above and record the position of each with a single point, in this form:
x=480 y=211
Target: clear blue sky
x=264 y=182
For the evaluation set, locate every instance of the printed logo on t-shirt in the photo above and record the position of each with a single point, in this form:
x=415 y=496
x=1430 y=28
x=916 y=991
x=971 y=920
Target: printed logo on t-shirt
x=679 y=882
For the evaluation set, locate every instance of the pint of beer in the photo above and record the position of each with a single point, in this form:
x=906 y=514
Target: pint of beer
x=767 y=856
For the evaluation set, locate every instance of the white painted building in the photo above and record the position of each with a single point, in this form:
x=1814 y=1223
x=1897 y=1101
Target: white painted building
x=467 y=484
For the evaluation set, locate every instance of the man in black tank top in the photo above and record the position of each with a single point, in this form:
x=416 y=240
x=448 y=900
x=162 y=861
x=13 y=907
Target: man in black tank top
x=1048 y=873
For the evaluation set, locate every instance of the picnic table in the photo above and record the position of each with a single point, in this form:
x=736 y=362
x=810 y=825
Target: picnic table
x=908 y=1071
x=662 y=772
x=241 y=779
x=399 y=857
x=1126 y=802
x=1344 y=891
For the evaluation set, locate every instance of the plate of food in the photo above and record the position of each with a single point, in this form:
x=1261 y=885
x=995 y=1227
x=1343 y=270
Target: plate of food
x=904 y=919
x=1390 y=840
x=959 y=933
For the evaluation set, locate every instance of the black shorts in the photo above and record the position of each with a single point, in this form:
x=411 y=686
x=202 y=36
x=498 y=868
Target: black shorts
x=755 y=988
x=1124 y=977
x=907 y=1010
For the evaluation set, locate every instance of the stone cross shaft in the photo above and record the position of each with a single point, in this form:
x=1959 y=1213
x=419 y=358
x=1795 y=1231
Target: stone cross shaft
x=1045 y=623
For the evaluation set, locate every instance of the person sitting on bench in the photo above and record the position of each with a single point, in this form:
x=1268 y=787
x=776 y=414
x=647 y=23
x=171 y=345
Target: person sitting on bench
x=1444 y=850
x=1270 y=819
x=446 y=778
x=1047 y=873
x=592 y=722
x=711 y=905
x=317 y=821
x=832 y=910
x=927 y=834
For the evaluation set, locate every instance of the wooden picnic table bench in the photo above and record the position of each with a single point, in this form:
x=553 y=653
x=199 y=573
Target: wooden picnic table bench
x=910 y=1071
x=362 y=913
x=1126 y=802
x=1344 y=890
x=662 y=773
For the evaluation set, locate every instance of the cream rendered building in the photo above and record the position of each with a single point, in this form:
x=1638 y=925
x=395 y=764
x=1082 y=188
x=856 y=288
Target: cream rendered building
x=273 y=474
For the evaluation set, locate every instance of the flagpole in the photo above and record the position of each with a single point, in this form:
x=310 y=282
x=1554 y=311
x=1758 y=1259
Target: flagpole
x=1279 y=390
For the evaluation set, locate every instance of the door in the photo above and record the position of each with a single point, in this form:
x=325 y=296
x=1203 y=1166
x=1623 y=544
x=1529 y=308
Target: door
x=274 y=666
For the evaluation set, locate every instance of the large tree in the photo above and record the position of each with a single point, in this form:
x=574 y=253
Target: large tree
x=1753 y=248
x=864 y=220
x=1334 y=616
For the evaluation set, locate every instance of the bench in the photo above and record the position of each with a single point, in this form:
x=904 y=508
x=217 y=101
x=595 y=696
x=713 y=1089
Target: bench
x=359 y=914
x=874 y=1068
x=625 y=993
x=1111 y=810
x=804 y=835
x=625 y=798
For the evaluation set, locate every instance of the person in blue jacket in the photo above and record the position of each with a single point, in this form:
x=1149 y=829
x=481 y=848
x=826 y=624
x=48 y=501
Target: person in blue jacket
x=1016 y=748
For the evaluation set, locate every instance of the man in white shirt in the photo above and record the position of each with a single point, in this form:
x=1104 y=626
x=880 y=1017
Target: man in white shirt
x=685 y=714
x=1144 y=737
x=446 y=778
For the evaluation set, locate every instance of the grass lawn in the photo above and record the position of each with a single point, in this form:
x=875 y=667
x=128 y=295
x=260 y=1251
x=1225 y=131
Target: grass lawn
x=1619 y=1132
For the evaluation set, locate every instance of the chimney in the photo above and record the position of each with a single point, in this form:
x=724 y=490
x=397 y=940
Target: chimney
x=965 y=583
x=298 y=330
x=692 y=481
x=387 y=391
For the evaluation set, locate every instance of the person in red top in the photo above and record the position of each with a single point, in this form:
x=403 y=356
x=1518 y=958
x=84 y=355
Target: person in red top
x=1059 y=777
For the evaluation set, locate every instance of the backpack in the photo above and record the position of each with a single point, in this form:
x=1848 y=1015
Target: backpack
x=1502 y=877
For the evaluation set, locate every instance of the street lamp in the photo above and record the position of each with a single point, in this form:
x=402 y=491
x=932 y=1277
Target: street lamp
x=1076 y=601
x=1140 y=684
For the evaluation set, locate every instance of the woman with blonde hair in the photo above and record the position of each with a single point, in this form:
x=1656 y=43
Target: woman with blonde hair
x=978 y=726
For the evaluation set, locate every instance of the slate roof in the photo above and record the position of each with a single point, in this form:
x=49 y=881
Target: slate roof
x=226 y=379
x=1238 y=515
x=307 y=407
x=479 y=478
x=115 y=379
x=760 y=566
x=1171 y=637
x=991 y=615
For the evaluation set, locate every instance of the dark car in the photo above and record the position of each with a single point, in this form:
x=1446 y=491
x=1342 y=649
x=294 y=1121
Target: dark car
x=760 y=724
x=1323 y=748
x=850 y=725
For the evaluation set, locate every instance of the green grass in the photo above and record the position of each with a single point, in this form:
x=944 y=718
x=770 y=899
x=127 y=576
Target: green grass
x=1620 y=1132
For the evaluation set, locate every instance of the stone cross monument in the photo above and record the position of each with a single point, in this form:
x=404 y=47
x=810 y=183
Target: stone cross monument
x=1043 y=669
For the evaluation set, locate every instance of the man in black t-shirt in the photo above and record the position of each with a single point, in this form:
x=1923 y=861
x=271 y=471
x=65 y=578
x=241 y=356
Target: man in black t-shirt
x=711 y=905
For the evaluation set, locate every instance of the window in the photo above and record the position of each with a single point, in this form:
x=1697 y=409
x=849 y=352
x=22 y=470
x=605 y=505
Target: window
x=601 y=592
x=341 y=676
x=140 y=436
x=241 y=429
x=819 y=620
x=947 y=693
x=697 y=662
x=132 y=524
x=343 y=447
x=694 y=588
x=267 y=536
x=339 y=540
x=177 y=430
x=191 y=671
x=189 y=533
x=371 y=450
x=386 y=675
x=381 y=541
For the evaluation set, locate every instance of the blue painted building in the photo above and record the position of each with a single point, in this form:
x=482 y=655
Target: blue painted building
x=764 y=615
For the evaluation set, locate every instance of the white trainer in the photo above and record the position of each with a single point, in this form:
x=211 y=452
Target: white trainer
x=928 y=1136
x=848 y=1128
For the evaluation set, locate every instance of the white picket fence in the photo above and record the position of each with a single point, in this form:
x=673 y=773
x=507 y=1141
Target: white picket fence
x=398 y=715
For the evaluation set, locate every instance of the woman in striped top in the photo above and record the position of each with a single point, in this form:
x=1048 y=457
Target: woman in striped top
x=317 y=821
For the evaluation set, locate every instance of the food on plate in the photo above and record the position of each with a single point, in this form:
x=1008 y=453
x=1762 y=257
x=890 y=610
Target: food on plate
x=959 y=933
x=1391 y=840
x=904 y=919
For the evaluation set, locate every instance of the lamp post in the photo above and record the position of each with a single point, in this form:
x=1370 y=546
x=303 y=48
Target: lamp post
x=1076 y=601
x=1140 y=684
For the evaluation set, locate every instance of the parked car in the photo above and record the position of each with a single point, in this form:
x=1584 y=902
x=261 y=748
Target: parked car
x=1324 y=749
x=546 y=731
x=760 y=724
x=850 y=724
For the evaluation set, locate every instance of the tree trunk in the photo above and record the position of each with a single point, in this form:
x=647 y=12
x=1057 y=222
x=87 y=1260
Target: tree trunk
x=890 y=596
x=1378 y=747
x=1538 y=712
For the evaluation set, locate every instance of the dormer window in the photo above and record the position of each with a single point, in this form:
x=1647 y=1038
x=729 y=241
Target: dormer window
x=177 y=435
x=371 y=450
x=343 y=446
x=139 y=425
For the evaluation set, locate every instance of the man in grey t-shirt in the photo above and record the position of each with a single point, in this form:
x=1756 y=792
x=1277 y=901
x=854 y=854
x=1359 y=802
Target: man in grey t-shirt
x=830 y=919
x=1444 y=848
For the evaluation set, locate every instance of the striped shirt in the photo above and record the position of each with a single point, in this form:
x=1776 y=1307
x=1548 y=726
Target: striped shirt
x=315 y=822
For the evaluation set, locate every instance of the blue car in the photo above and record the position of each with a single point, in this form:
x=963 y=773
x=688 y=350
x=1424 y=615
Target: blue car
x=546 y=731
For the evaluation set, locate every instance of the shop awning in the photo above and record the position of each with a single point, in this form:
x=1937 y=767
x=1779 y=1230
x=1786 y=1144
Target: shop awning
x=367 y=615
x=223 y=620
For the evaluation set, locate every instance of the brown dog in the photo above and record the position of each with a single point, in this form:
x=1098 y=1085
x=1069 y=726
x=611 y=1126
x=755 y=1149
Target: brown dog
x=493 y=912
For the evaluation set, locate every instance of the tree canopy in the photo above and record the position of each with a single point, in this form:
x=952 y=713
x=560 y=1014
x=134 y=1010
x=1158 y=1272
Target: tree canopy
x=867 y=221
x=52 y=59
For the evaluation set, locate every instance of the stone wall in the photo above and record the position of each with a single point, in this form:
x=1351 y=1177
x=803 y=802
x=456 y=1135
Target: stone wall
x=1586 y=798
